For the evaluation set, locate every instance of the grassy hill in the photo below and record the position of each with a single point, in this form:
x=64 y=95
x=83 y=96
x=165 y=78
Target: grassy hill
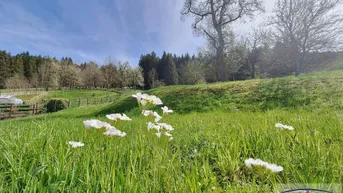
x=211 y=141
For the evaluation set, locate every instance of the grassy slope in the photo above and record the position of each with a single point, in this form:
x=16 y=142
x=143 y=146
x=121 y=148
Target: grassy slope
x=208 y=151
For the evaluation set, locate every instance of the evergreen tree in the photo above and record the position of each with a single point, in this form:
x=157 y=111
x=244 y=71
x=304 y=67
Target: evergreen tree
x=4 y=66
x=167 y=69
x=162 y=67
x=148 y=63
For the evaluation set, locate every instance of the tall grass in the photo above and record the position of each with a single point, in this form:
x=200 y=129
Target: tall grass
x=211 y=141
x=207 y=154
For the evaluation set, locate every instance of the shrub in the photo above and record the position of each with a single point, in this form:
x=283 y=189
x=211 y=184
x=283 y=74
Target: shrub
x=55 y=105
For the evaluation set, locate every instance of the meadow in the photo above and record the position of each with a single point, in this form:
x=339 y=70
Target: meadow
x=217 y=127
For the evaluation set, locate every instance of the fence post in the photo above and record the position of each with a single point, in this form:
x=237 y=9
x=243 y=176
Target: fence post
x=37 y=108
x=69 y=103
x=79 y=102
x=10 y=114
x=33 y=109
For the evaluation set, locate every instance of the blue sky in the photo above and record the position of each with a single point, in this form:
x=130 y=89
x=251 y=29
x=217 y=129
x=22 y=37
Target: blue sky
x=95 y=30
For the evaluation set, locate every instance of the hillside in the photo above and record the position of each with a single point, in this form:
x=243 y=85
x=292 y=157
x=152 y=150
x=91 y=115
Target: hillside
x=309 y=91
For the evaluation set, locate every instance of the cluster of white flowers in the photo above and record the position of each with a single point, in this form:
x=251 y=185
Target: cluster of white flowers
x=161 y=128
x=273 y=167
x=142 y=99
x=279 y=125
x=97 y=124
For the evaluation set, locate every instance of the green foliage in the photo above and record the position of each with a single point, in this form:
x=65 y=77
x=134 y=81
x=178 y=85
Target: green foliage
x=55 y=105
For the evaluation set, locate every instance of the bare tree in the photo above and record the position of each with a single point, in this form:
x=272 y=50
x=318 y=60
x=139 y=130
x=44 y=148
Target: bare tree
x=257 y=40
x=92 y=76
x=308 y=25
x=17 y=81
x=124 y=70
x=110 y=74
x=136 y=77
x=192 y=73
x=48 y=73
x=213 y=18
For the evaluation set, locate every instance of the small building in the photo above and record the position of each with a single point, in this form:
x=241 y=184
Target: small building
x=10 y=100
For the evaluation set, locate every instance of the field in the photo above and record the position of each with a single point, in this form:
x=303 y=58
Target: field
x=217 y=127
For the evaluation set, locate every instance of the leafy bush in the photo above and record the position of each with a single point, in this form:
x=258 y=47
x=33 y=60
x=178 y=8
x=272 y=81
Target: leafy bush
x=55 y=105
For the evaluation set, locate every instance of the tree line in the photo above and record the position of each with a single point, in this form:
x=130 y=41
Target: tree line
x=29 y=71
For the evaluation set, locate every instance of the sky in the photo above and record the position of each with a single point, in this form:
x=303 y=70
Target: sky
x=98 y=30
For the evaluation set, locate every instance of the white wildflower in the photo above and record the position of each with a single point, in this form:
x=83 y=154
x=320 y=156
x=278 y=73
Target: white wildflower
x=279 y=125
x=154 y=100
x=112 y=131
x=157 y=117
x=75 y=144
x=168 y=134
x=95 y=124
x=153 y=126
x=171 y=138
x=119 y=116
x=141 y=98
x=166 y=110
x=273 y=167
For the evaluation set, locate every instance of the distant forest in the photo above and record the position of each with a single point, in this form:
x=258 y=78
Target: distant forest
x=28 y=71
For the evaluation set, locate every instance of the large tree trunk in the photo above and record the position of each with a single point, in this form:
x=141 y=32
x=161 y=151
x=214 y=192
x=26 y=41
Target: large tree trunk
x=296 y=57
x=223 y=73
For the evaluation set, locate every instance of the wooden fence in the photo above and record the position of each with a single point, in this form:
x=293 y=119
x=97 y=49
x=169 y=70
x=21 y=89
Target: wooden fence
x=8 y=111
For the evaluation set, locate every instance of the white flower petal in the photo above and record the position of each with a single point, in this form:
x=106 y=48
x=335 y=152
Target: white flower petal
x=116 y=116
x=166 y=110
x=279 y=125
x=75 y=144
x=273 y=167
x=166 y=126
x=112 y=131
x=95 y=124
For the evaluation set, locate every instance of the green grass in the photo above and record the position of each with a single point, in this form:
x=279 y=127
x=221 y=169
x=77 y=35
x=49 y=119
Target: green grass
x=94 y=97
x=211 y=142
